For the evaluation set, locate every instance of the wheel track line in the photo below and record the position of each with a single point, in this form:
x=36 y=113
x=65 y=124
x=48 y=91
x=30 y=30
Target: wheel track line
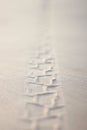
x=42 y=105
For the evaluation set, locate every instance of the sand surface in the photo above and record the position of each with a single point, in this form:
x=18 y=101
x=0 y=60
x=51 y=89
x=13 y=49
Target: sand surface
x=71 y=50
x=26 y=24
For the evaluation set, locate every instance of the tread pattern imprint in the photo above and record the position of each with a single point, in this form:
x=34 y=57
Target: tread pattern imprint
x=43 y=94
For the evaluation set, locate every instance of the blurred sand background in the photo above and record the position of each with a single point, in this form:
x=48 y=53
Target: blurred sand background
x=71 y=46
x=25 y=24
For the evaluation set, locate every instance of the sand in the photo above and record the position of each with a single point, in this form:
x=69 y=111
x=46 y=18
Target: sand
x=23 y=26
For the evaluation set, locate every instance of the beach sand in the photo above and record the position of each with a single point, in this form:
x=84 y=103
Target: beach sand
x=23 y=26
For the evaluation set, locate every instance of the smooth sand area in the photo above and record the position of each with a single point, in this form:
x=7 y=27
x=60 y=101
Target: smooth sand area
x=71 y=50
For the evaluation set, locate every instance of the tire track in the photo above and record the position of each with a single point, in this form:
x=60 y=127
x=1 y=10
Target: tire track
x=44 y=103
